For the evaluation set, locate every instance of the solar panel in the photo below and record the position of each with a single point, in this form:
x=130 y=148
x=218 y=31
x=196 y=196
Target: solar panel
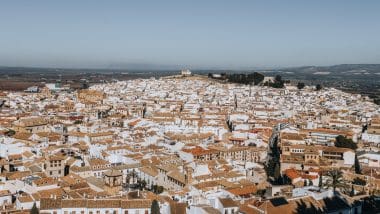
x=278 y=201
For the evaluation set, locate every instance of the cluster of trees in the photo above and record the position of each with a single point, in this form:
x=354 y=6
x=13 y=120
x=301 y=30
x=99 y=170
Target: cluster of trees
x=273 y=167
x=141 y=184
x=343 y=142
x=300 y=85
x=377 y=101
x=157 y=189
x=253 y=78
x=318 y=87
x=335 y=180
x=278 y=82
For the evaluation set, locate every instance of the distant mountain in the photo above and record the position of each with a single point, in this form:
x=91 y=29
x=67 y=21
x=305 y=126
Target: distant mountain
x=344 y=69
x=336 y=69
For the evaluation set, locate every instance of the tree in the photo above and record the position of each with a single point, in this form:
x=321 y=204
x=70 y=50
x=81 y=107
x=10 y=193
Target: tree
x=286 y=180
x=160 y=189
x=272 y=167
x=343 y=142
x=278 y=78
x=34 y=209
x=257 y=78
x=252 y=78
x=358 y=169
x=300 y=85
x=278 y=82
x=335 y=179
x=157 y=189
x=320 y=184
x=261 y=192
x=310 y=182
x=359 y=181
x=10 y=133
x=277 y=173
x=141 y=184
x=155 y=207
x=352 y=193
x=364 y=128
x=318 y=87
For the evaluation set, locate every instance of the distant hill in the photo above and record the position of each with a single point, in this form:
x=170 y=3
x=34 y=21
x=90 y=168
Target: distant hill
x=336 y=69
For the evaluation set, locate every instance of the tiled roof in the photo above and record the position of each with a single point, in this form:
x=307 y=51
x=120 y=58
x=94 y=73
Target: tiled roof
x=51 y=203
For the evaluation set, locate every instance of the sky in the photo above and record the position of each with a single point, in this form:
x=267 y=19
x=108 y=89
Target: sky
x=193 y=33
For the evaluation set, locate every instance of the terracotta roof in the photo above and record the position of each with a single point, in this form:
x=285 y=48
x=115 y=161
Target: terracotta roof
x=228 y=202
x=243 y=190
x=4 y=192
x=51 y=203
x=200 y=151
x=292 y=173
x=45 y=181
x=177 y=175
x=150 y=171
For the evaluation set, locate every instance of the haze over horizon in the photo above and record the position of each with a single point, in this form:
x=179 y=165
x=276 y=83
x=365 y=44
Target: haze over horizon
x=196 y=34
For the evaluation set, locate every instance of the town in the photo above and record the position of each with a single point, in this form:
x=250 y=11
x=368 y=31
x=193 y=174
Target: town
x=188 y=144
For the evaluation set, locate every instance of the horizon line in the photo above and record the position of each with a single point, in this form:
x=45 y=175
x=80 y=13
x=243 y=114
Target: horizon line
x=196 y=68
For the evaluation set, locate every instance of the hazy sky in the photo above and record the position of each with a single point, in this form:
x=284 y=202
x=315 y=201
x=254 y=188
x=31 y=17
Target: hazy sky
x=223 y=34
